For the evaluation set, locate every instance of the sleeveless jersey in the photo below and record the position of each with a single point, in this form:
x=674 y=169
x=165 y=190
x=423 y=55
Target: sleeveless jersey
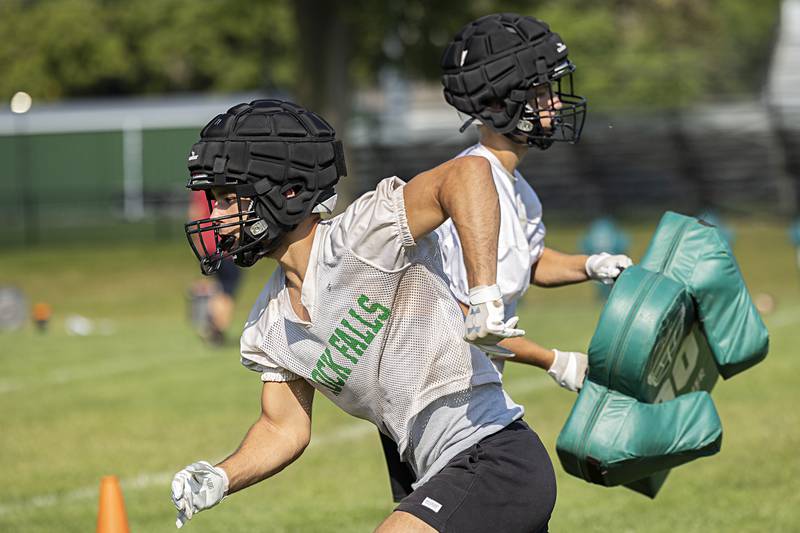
x=521 y=240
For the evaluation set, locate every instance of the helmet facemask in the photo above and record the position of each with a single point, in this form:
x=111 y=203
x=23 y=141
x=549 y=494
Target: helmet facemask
x=542 y=125
x=250 y=240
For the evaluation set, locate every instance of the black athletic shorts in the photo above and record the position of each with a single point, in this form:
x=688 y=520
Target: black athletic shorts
x=504 y=483
x=401 y=476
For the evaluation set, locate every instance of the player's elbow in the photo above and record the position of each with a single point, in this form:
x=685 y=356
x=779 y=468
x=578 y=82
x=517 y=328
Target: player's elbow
x=302 y=441
x=469 y=188
x=297 y=440
x=289 y=438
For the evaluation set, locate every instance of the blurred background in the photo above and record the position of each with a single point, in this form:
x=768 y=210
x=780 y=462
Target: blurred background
x=694 y=106
x=696 y=102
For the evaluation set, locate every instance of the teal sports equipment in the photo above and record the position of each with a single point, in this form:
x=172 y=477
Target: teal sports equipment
x=672 y=325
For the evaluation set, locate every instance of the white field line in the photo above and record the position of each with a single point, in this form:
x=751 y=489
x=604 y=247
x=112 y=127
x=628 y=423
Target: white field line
x=781 y=319
x=351 y=432
x=65 y=376
x=7 y=386
x=354 y=431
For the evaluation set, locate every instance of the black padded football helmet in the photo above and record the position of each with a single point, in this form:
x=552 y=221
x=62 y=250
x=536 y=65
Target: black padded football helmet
x=281 y=160
x=494 y=68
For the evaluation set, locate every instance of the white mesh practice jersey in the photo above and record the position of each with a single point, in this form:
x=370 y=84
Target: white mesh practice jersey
x=385 y=337
x=521 y=240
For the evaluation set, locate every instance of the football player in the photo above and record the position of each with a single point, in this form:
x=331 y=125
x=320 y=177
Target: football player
x=511 y=74
x=359 y=308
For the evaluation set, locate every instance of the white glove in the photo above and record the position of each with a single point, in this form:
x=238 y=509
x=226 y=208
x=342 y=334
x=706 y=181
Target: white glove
x=197 y=487
x=606 y=267
x=569 y=369
x=485 y=324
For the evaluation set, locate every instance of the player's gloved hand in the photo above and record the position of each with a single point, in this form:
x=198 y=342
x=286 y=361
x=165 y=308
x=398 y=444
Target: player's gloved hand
x=485 y=324
x=605 y=267
x=197 y=487
x=569 y=369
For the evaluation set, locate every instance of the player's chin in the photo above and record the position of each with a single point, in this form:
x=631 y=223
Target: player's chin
x=547 y=124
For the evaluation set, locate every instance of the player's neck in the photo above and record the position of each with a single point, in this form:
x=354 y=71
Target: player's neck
x=506 y=151
x=293 y=255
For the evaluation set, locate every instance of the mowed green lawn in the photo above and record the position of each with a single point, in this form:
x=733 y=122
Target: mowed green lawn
x=150 y=398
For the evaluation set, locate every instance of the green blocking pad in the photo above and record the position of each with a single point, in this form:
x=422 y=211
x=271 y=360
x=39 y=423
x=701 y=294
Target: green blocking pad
x=665 y=329
x=694 y=253
x=670 y=327
x=622 y=440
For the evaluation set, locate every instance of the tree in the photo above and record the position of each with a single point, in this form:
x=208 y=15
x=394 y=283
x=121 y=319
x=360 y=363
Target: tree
x=629 y=53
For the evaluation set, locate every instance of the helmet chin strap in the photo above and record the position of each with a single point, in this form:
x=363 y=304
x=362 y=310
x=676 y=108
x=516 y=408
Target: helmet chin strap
x=522 y=135
x=260 y=243
x=466 y=125
x=211 y=263
x=258 y=240
x=529 y=131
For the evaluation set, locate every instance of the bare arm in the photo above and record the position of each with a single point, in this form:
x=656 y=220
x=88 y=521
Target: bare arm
x=276 y=439
x=555 y=269
x=461 y=189
x=528 y=352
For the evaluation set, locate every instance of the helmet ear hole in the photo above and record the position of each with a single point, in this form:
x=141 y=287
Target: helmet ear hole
x=494 y=105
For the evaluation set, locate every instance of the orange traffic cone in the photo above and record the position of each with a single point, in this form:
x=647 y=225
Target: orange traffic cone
x=111 y=517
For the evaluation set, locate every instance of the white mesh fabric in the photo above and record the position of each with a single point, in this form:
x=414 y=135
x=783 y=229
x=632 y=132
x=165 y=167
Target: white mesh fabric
x=417 y=356
x=386 y=334
x=421 y=420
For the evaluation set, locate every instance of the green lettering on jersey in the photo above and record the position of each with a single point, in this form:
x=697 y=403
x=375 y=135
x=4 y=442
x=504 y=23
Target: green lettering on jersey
x=366 y=337
x=344 y=343
x=373 y=308
x=319 y=375
x=315 y=376
x=374 y=326
x=354 y=344
x=336 y=342
x=341 y=371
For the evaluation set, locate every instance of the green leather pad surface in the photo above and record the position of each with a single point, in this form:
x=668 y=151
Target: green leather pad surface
x=694 y=253
x=670 y=327
x=611 y=439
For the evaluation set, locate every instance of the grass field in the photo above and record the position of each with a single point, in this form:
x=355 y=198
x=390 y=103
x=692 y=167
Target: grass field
x=150 y=398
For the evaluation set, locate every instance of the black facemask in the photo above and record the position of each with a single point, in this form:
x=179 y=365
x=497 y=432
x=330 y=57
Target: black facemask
x=255 y=238
x=566 y=123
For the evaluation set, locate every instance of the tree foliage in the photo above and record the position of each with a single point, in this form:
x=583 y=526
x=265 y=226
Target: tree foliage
x=67 y=48
x=665 y=53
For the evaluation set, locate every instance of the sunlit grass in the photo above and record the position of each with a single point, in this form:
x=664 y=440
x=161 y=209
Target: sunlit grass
x=150 y=398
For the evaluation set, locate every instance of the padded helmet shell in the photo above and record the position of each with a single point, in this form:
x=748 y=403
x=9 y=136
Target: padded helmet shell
x=497 y=58
x=274 y=146
x=282 y=157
